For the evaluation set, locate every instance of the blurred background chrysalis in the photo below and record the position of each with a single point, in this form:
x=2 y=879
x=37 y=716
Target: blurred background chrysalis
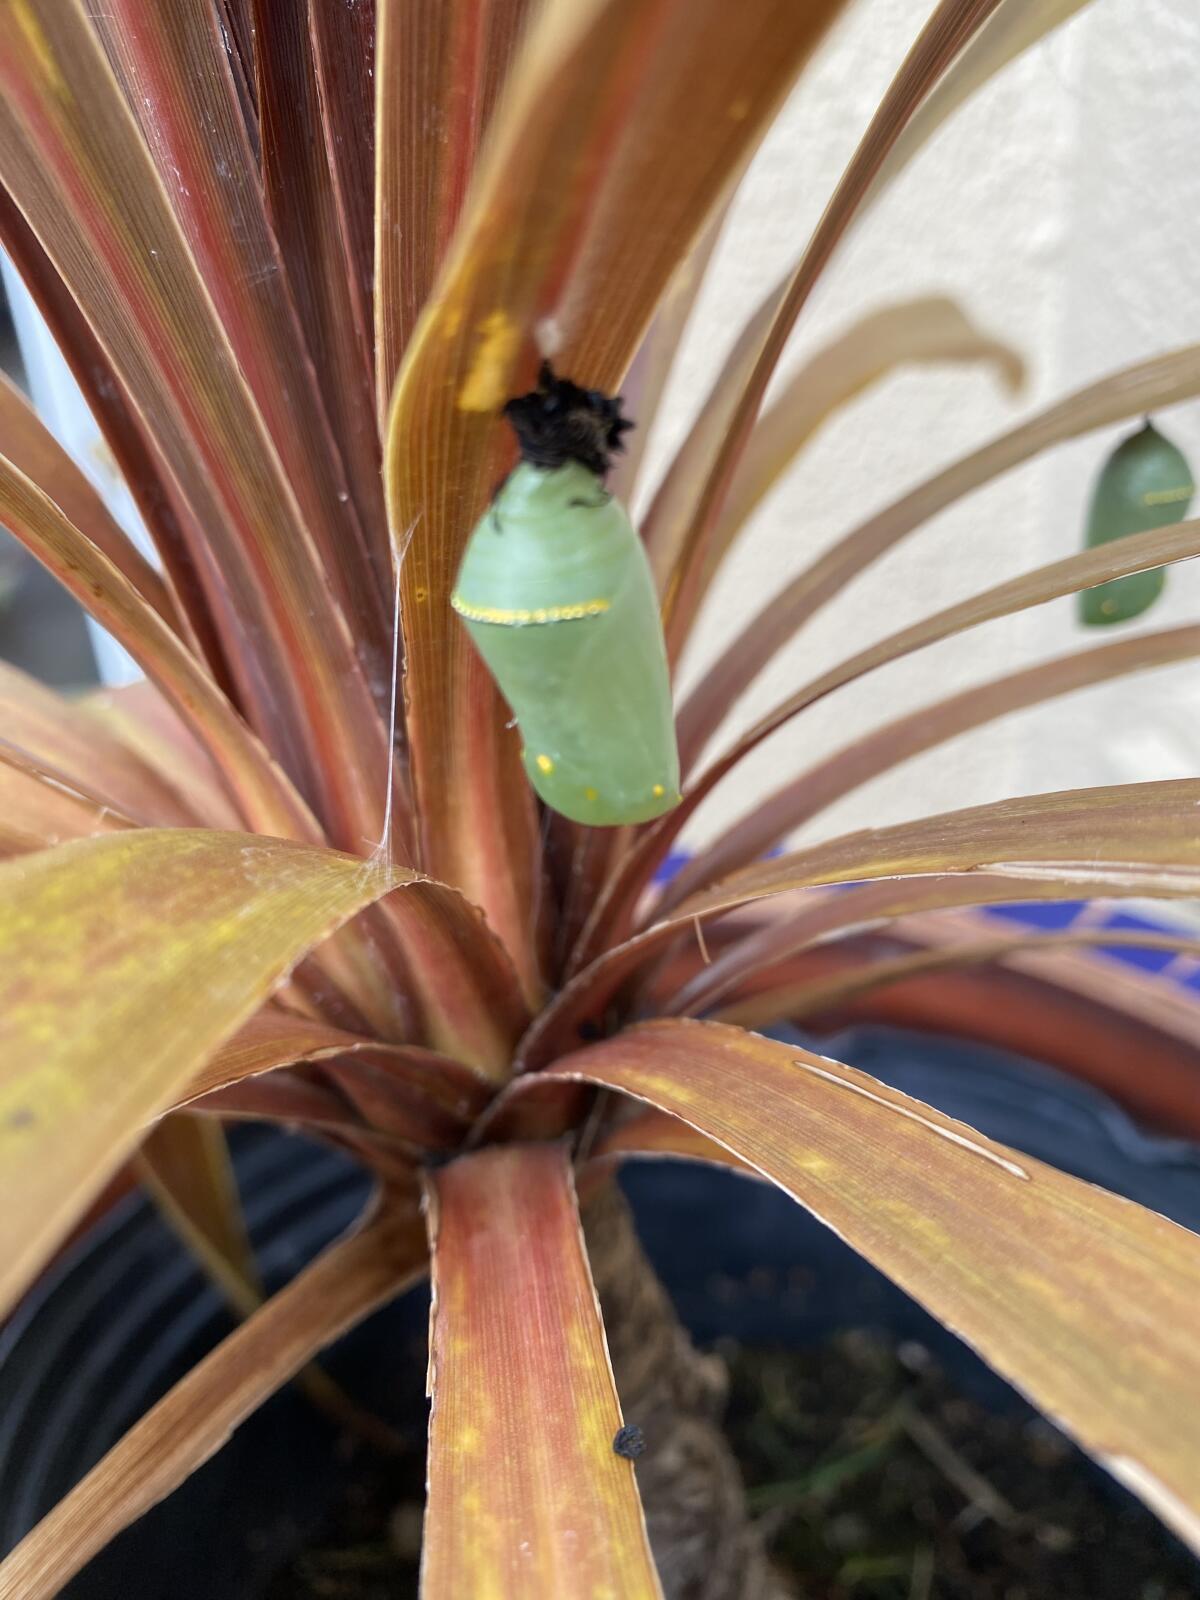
x=1145 y=483
x=556 y=593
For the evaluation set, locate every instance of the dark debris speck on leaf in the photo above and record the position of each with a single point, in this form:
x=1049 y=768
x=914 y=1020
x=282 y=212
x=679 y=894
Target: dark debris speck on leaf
x=629 y=1441
x=871 y=1475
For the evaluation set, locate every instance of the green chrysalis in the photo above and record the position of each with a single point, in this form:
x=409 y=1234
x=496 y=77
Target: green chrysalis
x=556 y=592
x=1145 y=483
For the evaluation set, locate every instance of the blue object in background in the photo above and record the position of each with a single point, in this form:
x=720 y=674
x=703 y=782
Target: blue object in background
x=1051 y=915
x=1054 y=916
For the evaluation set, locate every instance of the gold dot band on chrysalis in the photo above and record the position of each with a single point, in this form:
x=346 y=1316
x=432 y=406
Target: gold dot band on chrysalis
x=1168 y=497
x=546 y=766
x=532 y=618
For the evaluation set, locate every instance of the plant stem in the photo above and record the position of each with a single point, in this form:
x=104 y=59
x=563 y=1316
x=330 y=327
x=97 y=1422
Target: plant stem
x=703 y=1541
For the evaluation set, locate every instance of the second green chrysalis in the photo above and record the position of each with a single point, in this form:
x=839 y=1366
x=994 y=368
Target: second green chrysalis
x=1145 y=483
x=556 y=593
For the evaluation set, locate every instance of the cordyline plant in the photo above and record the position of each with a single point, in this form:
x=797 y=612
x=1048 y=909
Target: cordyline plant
x=299 y=260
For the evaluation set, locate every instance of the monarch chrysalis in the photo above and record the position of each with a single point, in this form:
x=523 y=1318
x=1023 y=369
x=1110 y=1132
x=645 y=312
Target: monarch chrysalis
x=556 y=592
x=1145 y=483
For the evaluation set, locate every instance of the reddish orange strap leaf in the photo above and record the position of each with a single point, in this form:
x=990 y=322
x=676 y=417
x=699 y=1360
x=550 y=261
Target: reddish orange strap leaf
x=1083 y=1300
x=526 y=1497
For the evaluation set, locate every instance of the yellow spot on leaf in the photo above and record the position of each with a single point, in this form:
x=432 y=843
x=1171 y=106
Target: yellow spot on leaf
x=487 y=383
x=590 y=794
x=37 y=41
x=658 y=791
x=813 y=1163
x=544 y=764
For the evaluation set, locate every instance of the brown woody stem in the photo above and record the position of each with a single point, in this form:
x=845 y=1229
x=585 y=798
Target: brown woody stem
x=691 y=1488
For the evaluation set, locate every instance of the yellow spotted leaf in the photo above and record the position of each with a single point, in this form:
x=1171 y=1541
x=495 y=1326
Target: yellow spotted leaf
x=527 y=1498
x=1085 y=1301
x=125 y=960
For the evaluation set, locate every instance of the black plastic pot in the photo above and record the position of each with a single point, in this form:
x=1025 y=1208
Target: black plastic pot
x=125 y=1314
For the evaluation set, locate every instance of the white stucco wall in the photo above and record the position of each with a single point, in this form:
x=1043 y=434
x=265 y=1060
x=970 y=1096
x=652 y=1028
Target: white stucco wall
x=1058 y=206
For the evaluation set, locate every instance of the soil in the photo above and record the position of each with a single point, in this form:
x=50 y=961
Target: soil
x=875 y=1478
